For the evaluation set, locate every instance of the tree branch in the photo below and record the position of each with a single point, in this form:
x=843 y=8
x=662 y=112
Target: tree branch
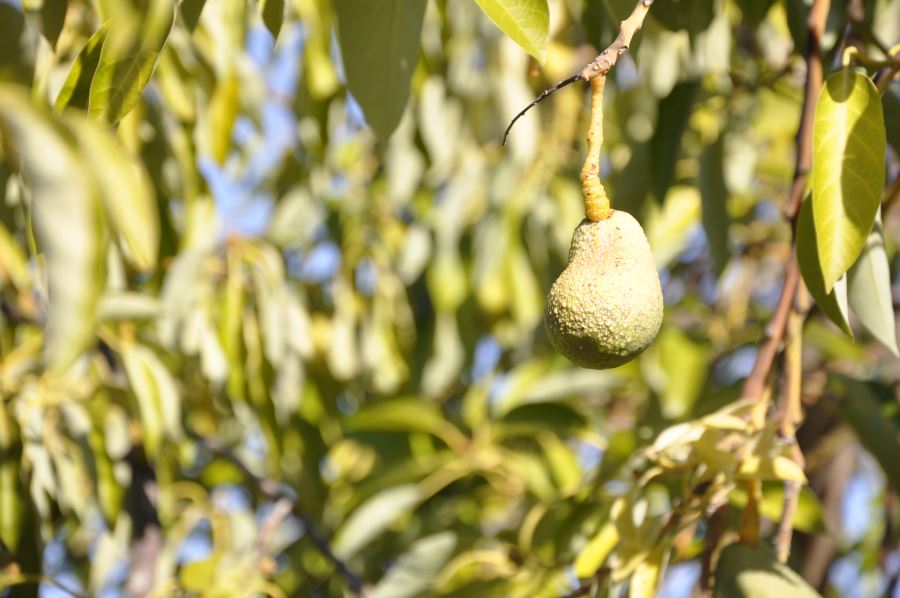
x=602 y=64
x=755 y=383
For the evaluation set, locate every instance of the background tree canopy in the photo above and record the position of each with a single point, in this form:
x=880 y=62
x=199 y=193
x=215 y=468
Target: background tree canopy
x=272 y=292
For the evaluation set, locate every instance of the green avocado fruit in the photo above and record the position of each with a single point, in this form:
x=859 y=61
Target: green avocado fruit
x=606 y=306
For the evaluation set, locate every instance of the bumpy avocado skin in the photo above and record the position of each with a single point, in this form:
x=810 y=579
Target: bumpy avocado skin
x=606 y=306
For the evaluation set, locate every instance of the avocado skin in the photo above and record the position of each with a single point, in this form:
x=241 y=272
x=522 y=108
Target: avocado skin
x=607 y=305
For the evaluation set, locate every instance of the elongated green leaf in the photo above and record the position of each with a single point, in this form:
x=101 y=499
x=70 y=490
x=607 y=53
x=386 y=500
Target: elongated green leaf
x=527 y=22
x=126 y=191
x=380 y=48
x=127 y=61
x=674 y=113
x=869 y=290
x=694 y=16
x=753 y=572
x=77 y=87
x=834 y=302
x=714 y=196
x=417 y=568
x=68 y=220
x=848 y=169
x=373 y=517
x=156 y=394
x=52 y=17
x=861 y=406
x=16 y=51
x=272 y=13
x=595 y=552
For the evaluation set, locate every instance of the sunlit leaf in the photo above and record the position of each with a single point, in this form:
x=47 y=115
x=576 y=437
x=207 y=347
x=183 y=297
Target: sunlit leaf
x=76 y=90
x=156 y=394
x=380 y=48
x=848 y=169
x=415 y=570
x=869 y=290
x=595 y=552
x=753 y=572
x=373 y=517
x=127 y=62
x=126 y=191
x=527 y=22
x=834 y=302
x=69 y=222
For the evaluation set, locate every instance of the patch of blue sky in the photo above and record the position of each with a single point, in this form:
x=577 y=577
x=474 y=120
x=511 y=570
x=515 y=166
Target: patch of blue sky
x=486 y=357
x=366 y=277
x=680 y=580
x=318 y=265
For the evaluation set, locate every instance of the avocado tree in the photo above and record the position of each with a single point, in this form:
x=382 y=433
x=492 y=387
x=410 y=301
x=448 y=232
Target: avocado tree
x=273 y=295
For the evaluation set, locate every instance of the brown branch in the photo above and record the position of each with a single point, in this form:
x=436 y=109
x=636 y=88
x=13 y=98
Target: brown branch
x=603 y=63
x=755 y=383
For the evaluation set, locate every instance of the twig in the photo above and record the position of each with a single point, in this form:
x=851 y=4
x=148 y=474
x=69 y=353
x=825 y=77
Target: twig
x=756 y=381
x=603 y=63
x=280 y=492
x=790 y=415
x=538 y=100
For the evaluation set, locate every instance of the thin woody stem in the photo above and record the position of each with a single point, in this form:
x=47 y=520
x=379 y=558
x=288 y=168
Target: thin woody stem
x=596 y=203
x=603 y=63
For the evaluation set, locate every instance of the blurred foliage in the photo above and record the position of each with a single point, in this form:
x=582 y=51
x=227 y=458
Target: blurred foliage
x=250 y=345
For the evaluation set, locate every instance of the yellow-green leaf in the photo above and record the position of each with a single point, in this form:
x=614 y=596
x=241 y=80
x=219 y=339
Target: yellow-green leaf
x=869 y=290
x=126 y=191
x=77 y=87
x=848 y=169
x=834 y=302
x=753 y=572
x=68 y=220
x=526 y=22
x=380 y=48
x=127 y=60
x=373 y=517
x=595 y=552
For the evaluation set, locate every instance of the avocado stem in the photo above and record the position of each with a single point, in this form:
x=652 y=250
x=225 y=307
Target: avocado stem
x=596 y=202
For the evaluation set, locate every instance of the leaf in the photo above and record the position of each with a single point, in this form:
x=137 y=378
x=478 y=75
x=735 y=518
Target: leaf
x=833 y=303
x=672 y=120
x=272 y=13
x=848 y=169
x=755 y=11
x=406 y=415
x=68 y=221
x=190 y=11
x=126 y=190
x=415 y=570
x=127 y=60
x=373 y=517
x=891 y=105
x=380 y=47
x=694 y=16
x=869 y=290
x=861 y=408
x=53 y=17
x=595 y=552
x=77 y=87
x=157 y=396
x=714 y=196
x=526 y=22
x=685 y=363
x=16 y=54
x=753 y=572
x=649 y=573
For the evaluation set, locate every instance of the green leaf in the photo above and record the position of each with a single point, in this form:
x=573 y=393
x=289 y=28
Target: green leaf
x=190 y=11
x=861 y=407
x=157 y=396
x=405 y=415
x=127 y=60
x=672 y=120
x=753 y=572
x=53 y=17
x=694 y=16
x=684 y=362
x=755 y=11
x=869 y=290
x=380 y=48
x=16 y=52
x=272 y=13
x=373 y=517
x=68 y=219
x=596 y=550
x=77 y=87
x=126 y=191
x=714 y=195
x=891 y=104
x=833 y=303
x=416 y=569
x=526 y=22
x=848 y=169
